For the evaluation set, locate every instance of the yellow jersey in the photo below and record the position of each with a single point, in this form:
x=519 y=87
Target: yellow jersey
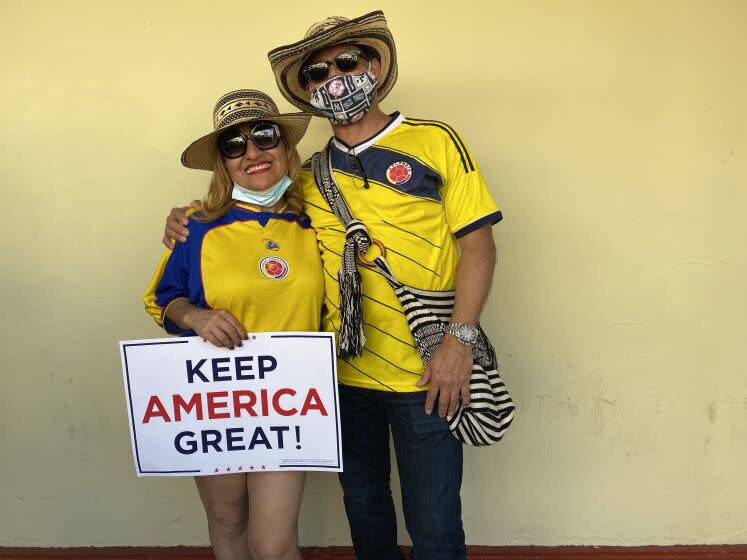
x=423 y=192
x=262 y=267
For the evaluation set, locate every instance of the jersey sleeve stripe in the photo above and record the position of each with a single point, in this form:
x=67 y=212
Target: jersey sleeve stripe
x=493 y=218
x=165 y=309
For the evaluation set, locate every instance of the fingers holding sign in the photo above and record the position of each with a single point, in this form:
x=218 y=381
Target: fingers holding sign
x=218 y=327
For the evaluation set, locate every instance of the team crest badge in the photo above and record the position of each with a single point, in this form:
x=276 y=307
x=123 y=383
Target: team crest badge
x=336 y=88
x=273 y=268
x=399 y=173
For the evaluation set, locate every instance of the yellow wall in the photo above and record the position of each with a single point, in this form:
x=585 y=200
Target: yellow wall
x=613 y=134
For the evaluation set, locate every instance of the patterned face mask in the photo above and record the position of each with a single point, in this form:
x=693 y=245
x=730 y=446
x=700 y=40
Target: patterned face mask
x=345 y=99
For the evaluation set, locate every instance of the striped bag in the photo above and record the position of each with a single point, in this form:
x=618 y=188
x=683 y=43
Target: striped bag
x=491 y=410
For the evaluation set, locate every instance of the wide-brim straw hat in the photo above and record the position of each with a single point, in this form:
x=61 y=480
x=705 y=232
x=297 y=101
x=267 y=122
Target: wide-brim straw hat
x=370 y=30
x=238 y=107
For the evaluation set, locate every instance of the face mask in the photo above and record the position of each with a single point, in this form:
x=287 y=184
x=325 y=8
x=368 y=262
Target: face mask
x=264 y=198
x=345 y=99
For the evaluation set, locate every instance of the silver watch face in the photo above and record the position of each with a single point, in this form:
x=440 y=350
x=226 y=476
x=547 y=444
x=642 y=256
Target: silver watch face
x=465 y=332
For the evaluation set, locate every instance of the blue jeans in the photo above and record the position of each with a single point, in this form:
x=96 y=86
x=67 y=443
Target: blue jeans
x=429 y=461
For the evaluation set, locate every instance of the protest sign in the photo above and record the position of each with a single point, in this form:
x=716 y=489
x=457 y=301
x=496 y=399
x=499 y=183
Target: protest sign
x=196 y=409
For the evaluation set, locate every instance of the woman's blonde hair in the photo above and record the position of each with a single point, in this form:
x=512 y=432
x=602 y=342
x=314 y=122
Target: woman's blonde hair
x=218 y=199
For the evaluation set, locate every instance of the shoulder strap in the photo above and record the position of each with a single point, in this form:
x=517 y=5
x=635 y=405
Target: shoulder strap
x=426 y=311
x=328 y=187
x=351 y=338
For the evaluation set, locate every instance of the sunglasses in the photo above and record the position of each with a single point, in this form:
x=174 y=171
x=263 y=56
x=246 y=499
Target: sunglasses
x=355 y=163
x=233 y=144
x=344 y=62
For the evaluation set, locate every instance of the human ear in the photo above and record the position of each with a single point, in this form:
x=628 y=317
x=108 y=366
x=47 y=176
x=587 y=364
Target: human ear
x=376 y=67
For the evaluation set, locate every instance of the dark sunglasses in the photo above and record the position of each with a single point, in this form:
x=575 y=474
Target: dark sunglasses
x=232 y=143
x=344 y=62
x=355 y=163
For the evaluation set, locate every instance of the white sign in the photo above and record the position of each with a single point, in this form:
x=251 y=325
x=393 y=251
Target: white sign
x=268 y=405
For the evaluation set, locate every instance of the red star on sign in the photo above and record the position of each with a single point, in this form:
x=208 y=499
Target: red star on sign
x=216 y=470
x=241 y=468
x=254 y=337
x=228 y=469
x=251 y=468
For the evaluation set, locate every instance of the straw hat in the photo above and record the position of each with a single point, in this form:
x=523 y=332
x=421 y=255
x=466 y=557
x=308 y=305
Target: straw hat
x=370 y=30
x=235 y=108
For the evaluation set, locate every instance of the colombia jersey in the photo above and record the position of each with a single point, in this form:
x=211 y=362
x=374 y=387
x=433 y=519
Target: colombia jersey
x=262 y=267
x=425 y=191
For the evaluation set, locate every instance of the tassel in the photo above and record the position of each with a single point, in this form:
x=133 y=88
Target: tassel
x=351 y=304
x=351 y=315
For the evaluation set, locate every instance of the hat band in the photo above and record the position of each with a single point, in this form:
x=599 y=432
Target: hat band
x=240 y=114
x=226 y=112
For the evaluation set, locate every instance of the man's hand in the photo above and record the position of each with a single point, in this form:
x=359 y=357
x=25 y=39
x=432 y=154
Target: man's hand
x=450 y=367
x=175 y=223
x=216 y=326
x=448 y=372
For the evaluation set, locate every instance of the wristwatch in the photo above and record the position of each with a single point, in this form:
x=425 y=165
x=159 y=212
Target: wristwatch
x=463 y=332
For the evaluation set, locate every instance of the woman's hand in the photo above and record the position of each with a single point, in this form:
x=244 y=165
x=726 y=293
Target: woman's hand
x=175 y=225
x=216 y=326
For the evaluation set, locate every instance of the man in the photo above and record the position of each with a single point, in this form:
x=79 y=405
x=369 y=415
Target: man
x=417 y=189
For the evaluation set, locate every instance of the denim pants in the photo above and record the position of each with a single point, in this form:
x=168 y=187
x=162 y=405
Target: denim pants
x=429 y=461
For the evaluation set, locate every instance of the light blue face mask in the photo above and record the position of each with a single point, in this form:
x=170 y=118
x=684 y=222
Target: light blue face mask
x=264 y=198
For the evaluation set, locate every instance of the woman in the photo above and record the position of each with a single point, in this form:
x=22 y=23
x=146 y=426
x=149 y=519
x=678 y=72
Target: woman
x=250 y=264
